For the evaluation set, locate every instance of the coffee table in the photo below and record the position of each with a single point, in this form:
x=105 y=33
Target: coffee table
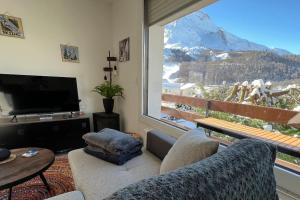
x=23 y=169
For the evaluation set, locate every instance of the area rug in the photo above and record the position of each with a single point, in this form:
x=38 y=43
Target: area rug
x=59 y=177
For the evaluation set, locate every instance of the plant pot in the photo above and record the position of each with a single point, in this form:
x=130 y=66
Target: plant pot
x=108 y=105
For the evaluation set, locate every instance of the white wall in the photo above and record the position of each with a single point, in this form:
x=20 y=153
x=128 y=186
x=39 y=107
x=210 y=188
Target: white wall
x=127 y=22
x=49 y=23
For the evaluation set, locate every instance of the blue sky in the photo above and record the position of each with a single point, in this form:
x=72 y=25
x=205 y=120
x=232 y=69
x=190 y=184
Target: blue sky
x=274 y=23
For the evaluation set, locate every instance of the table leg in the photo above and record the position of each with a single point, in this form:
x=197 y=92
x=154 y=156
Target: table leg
x=9 y=193
x=45 y=181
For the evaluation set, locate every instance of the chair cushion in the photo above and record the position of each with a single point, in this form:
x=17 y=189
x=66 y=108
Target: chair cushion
x=98 y=179
x=189 y=148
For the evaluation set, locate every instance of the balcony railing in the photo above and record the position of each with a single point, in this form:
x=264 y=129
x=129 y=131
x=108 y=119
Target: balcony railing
x=287 y=144
x=273 y=115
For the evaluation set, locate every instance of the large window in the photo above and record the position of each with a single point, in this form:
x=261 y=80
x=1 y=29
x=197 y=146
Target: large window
x=237 y=52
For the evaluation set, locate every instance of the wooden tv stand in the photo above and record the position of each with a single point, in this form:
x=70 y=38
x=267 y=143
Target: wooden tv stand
x=57 y=134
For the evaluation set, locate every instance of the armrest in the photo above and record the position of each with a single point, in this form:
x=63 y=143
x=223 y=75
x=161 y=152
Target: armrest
x=159 y=143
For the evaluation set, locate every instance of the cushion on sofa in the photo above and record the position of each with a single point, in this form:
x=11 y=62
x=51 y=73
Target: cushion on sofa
x=97 y=179
x=242 y=171
x=189 y=148
x=75 y=195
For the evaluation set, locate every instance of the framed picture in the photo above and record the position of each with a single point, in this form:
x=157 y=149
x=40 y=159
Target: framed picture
x=69 y=53
x=124 y=50
x=11 y=26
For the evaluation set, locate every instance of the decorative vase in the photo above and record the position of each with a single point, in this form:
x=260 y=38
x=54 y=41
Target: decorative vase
x=4 y=154
x=108 y=105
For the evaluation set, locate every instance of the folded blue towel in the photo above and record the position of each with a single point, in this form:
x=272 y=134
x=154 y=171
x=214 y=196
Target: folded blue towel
x=112 y=141
x=116 y=159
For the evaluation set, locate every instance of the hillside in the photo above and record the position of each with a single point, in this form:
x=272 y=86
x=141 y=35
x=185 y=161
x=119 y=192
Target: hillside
x=211 y=68
x=208 y=54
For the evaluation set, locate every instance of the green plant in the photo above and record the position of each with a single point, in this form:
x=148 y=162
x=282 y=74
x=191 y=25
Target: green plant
x=109 y=90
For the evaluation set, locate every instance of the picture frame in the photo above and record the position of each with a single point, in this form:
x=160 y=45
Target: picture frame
x=69 y=53
x=11 y=26
x=124 y=50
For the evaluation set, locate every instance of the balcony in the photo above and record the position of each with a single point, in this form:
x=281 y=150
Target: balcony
x=209 y=114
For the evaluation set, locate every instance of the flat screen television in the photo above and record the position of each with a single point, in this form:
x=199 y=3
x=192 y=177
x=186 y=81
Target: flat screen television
x=23 y=94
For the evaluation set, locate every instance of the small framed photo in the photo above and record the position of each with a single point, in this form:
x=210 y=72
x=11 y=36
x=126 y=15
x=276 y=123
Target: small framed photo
x=124 y=50
x=11 y=26
x=69 y=53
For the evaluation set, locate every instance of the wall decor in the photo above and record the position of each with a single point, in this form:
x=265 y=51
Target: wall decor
x=11 y=26
x=69 y=53
x=124 y=50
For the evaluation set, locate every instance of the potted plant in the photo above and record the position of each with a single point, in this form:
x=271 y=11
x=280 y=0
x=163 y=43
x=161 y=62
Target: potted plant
x=109 y=90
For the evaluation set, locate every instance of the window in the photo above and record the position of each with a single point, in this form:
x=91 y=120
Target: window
x=238 y=62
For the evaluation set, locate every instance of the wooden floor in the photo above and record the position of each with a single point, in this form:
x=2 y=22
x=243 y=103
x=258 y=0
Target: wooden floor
x=286 y=144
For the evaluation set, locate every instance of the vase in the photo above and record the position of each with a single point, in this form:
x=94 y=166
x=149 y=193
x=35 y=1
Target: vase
x=4 y=154
x=108 y=105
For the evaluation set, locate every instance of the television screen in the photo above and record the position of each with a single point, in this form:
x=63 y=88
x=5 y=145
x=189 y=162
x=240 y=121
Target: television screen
x=23 y=94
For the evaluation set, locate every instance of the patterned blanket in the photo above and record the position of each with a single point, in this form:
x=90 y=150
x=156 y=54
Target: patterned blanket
x=243 y=171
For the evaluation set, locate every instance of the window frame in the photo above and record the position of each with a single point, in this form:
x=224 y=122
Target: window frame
x=287 y=179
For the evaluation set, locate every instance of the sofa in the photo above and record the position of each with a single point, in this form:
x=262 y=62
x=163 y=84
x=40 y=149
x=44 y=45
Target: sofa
x=236 y=176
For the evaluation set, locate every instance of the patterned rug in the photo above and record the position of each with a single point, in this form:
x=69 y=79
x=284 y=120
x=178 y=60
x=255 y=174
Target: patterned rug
x=59 y=177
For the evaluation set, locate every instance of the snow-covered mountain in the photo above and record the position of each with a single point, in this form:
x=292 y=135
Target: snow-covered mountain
x=197 y=32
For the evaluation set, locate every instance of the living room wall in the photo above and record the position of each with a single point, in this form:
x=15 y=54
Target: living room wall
x=128 y=22
x=47 y=24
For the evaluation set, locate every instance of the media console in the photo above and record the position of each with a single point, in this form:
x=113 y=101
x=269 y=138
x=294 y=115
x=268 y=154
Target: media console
x=57 y=134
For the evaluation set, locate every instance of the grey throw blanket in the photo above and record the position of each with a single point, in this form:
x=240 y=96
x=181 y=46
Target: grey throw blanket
x=113 y=141
x=244 y=171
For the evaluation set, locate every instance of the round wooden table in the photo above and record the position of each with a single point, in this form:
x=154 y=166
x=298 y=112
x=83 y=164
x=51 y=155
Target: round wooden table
x=23 y=169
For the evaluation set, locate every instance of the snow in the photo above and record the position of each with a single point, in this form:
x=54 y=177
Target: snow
x=187 y=86
x=197 y=30
x=297 y=109
x=258 y=83
x=223 y=56
x=245 y=83
x=293 y=86
x=169 y=70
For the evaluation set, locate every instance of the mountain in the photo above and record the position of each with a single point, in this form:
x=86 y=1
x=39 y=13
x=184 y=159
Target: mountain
x=205 y=53
x=197 y=32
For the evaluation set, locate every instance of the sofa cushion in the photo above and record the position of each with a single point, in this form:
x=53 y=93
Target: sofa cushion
x=189 y=148
x=97 y=179
x=242 y=171
x=75 y=195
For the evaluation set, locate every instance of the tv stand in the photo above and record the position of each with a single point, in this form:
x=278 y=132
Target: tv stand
x=46 y=117
x=74 y=115
x=57 y=134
